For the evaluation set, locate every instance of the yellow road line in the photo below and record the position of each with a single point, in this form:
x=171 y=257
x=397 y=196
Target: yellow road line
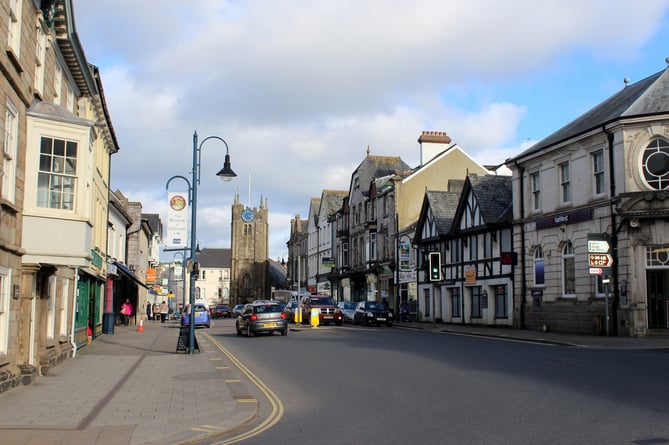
x=277 y=407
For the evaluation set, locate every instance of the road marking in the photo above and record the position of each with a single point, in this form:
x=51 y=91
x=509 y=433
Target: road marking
x=277 y=407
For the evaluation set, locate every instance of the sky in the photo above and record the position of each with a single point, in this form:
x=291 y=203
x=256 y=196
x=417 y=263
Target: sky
x=300 y=89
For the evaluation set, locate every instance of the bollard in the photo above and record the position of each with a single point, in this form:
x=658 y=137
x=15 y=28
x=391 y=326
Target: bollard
x=314 y=317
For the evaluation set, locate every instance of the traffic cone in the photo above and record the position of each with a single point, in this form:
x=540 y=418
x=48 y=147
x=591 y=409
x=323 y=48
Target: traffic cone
x=140 y=328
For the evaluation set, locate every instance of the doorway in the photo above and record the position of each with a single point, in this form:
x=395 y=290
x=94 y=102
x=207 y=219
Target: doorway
x=657 y=293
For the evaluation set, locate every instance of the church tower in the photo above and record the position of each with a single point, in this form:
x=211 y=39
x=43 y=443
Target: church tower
x=249 y=253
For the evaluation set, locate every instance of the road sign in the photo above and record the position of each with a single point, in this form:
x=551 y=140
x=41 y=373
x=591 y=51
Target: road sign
x=600 y=260
x=596 y=271
x=598 y=246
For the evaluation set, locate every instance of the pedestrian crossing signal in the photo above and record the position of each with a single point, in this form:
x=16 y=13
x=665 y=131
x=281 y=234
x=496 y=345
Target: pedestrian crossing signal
x=434 y=265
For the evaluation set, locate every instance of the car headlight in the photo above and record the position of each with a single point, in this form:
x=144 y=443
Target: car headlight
x=369 y=314
x=390 y=315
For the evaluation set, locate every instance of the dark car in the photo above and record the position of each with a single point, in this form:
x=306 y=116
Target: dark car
x=266 y=316
x=221 y=311
x=367 y=312
x=201 y=316
x=328 y=312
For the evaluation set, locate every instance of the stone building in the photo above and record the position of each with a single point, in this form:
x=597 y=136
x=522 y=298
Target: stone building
x=603 y=177
x=58 y=142
x=250 y=252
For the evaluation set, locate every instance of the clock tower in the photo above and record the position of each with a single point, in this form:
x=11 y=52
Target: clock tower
x=249 y=253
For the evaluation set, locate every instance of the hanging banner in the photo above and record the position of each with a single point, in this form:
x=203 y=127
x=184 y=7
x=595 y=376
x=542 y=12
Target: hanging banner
x=177 y=220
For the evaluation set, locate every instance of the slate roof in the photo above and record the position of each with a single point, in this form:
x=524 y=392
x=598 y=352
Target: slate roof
x=215 y=258
x=377 y=166
x=154 y=222
x=331 y=201
x=277 y=274
x=494 y=195
x=646 y=97
x=443 y=205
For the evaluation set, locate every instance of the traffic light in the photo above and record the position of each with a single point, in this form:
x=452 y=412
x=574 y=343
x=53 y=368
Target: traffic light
x=434 y=265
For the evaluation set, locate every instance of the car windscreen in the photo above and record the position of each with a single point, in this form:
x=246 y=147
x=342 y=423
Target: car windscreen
x=372 y=305
x=322 y=302
x=267 y=308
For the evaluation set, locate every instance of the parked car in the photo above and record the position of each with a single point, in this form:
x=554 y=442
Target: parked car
x=237 y=310
x=367 y=312
x=348 y=309
x=328 y=310
x=202 y=317
x=222 y=311
x=291 y=309
x=262 y=317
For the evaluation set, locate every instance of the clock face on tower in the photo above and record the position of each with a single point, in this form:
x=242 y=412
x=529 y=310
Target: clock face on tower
x=248 y=215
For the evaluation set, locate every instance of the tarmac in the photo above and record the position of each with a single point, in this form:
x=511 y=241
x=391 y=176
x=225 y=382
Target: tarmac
x=134 y=388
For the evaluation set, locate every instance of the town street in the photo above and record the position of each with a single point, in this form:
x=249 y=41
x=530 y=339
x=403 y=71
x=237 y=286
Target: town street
x=390 y=385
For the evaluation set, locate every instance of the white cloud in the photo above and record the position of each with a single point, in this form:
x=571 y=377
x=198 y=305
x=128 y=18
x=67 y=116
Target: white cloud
x=299 y=90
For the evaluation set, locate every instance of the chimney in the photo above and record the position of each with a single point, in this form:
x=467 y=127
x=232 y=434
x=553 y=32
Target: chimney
x=431 y=144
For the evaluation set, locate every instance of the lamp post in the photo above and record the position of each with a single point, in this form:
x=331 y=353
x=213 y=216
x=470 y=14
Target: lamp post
x=183 y=280
x=226 y=174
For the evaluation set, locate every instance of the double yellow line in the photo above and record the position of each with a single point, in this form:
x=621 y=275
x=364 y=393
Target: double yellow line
x=277 y=407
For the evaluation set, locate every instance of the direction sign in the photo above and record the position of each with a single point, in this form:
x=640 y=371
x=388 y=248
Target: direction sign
x=598 y=246
x=600 y=260
x=596 y=271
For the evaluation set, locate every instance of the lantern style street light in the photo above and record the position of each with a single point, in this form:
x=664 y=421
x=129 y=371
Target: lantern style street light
x=226 y=174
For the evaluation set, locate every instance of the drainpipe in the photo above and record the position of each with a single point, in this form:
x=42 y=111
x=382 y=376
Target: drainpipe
x=74 y=311
x=523 y=271
x=614 y=233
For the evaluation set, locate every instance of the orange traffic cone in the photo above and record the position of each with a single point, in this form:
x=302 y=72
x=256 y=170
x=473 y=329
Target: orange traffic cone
x=140 y=328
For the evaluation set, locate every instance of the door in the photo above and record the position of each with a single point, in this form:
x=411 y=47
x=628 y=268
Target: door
x=658 y=298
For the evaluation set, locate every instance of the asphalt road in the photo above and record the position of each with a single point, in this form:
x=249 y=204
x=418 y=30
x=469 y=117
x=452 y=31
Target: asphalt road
x=378 y=385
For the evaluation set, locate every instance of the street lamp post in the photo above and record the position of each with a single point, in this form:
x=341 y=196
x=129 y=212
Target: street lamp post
x=226 y=174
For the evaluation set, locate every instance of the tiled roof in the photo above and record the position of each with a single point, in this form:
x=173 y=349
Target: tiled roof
x=494 y=195
x=377 y=166
x=215 y=258
x=443 y=206
x=331 y=201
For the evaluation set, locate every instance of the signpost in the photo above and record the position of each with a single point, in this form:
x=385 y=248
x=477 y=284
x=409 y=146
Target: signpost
x=600 y=262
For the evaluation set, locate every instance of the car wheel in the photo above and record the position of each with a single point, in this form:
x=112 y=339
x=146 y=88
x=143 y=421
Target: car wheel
x=239 y=332
x=389 y=324
x=284 y=331
x=364 y=322
x=249 y=332
x=338 y=323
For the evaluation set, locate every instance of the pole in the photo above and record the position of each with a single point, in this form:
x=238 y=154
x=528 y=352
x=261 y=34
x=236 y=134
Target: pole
x=193 y=237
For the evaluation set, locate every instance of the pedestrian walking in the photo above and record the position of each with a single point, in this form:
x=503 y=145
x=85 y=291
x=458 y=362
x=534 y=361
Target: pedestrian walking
x=148 y=311
x=164 y=310
x=126 y=312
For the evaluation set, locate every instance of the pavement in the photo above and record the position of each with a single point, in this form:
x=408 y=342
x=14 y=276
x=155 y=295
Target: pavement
x=134 y=388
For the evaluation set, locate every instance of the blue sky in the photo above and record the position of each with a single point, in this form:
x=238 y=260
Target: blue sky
x=300 y=89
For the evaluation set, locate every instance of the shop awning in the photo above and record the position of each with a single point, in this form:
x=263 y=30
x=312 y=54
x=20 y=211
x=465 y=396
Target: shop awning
x=130 y=274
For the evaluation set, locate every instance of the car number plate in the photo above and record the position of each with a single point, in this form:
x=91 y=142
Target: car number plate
x=327 y=316
x=270 y=325
x=381 y=319
x=198 y=314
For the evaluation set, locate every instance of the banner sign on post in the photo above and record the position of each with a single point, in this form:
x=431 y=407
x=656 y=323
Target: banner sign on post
x=177 y=220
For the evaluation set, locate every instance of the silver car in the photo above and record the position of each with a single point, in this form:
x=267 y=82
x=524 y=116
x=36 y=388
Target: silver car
x=348 y=308
x=266 y=316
